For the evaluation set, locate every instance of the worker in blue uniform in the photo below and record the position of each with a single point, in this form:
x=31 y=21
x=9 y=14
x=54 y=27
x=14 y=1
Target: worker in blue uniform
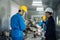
x=17 y=24
x=43 y=22
x=43 y=26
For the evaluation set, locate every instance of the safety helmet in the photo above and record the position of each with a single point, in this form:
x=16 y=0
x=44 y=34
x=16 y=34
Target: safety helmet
x=43 y=18
x=24 y=8
x=49 y=10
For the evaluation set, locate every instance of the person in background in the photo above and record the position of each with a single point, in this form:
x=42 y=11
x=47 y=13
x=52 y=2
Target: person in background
x=50 y=27
x=17 y=24
x=43 y=22
x=41 y=27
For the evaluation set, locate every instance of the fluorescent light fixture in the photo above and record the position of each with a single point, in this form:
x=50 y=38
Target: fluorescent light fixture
x=36 y=4
x=37 y=0
x=57 y=19
x=40 y=9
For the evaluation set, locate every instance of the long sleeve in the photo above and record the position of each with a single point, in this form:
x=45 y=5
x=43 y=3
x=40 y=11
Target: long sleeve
x=40 y=23
x=22 y=25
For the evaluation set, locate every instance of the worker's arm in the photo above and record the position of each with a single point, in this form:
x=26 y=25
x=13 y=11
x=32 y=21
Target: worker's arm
x=22 y=24
x=40 y=23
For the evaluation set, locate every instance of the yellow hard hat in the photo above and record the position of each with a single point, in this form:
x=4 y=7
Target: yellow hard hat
x=23 y=8
x=44 y=18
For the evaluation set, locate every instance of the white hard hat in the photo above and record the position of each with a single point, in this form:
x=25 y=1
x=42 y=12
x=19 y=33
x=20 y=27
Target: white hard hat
x=49 y=10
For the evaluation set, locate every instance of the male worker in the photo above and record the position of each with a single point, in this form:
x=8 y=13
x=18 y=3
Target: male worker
x=41 y=27
x=42 y=23
x=17 y=24
x=50 y=31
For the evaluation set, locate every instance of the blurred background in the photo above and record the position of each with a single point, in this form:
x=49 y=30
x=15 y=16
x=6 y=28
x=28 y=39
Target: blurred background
x=35 y=10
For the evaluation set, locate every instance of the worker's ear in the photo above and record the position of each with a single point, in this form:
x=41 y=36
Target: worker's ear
x=19 y=10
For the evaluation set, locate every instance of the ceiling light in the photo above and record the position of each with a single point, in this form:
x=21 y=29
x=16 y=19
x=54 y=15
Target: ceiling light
x=40 y=9
x=37 y=0
x=36 y=4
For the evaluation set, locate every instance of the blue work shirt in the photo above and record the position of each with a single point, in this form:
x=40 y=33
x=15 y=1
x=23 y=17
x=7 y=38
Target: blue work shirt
x=17 y=25
x=41 y=24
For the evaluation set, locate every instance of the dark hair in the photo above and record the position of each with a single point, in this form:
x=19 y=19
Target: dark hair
x=50 y=13
x=19 y=10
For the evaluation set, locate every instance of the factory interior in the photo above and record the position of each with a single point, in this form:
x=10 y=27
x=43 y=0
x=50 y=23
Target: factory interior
x=36 y=9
